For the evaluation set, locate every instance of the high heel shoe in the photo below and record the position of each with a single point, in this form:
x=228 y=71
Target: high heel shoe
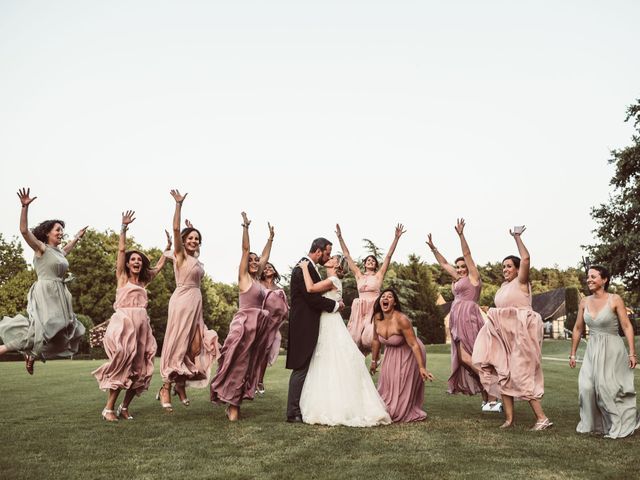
x=120 y=414
x=167 y=406
x=29 y=362
x=179 y=390
x=105 y=412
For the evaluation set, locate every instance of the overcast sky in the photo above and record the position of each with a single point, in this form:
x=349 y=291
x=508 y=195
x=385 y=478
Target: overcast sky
x=305 y=114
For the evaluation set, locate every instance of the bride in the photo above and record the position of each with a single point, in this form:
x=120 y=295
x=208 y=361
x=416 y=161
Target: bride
x=338 y=389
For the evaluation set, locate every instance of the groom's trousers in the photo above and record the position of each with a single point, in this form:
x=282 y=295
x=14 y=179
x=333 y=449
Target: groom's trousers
x=296 y=382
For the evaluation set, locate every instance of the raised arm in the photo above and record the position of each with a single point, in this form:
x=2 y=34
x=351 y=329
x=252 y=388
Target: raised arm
x=441 y=260
x=163 y=258
x=407 y=332
x=121 y=272
x=74 y=241
x=525 y=259
x=576 y=335
x=266 y=251
x=178 y=246
x=244 y=279
x=627 y=328
x=474 y=275
x=387 y=260
x=37 y=246
x=345 y=251
x=320 y=287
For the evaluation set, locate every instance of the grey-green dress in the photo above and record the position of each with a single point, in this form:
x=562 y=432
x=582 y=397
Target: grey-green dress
x=51 y=329
x=606 y=391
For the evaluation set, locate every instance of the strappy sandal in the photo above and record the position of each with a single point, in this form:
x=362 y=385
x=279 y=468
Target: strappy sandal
x=542 y=425
x=105 y=412
x=180 y=391
x=167 y=406
x=506 y=425
x=120 y=413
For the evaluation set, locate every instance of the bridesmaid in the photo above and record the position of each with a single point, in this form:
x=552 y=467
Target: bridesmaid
x=51 y=328
x=270 y=279
x=369 y=283
x=251 y=331
x=401 y=382
x=605 y=386
x=508 y=349
x=128 y=340
x=465 y=321
x=189 y=347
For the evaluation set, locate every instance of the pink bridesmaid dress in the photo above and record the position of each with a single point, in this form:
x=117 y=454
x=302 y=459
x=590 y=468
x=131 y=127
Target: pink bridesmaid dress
x=508 y=349
x=360 y=324
x=465 y=321
x=184 y=322
x=246 y=347
x=400 y=384
x=276 y=303
x=129 y=343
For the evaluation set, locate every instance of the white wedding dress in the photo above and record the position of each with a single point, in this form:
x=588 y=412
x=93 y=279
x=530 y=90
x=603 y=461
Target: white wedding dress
x=338 y=389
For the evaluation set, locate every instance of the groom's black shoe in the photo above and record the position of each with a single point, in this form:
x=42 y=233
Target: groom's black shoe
x=296 y=419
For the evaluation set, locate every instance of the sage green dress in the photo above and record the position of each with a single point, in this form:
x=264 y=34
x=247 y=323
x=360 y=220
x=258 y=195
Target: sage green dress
x=51 y=328
x=605 y=385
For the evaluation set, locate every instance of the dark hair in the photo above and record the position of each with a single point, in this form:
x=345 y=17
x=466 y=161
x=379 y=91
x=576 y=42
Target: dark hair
x=186 y=231
x=460 y=259
x=276 y=277
x=42 y=230
x=145 y=273
x=374 y=259
x=604 y=273
x=377 y=309
x=319 y=243
x=514 y=259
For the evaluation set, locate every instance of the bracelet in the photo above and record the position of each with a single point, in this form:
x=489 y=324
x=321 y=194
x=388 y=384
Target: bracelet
x=243 y=225
x=632 y=356
x=572 y=357
x=123 y=227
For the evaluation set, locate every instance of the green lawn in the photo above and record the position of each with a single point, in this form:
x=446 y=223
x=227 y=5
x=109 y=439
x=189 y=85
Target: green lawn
x=51 y=428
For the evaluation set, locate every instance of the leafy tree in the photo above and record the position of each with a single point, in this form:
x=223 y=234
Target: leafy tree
x=13 y=293
x=571 y=302
x=618 y=220
x=11 y=260
x=421 y=304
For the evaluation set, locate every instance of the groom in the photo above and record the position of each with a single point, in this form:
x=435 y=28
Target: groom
x=304 y=323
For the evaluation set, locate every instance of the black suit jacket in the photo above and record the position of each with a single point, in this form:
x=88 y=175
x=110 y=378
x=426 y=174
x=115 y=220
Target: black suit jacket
x=304 y=318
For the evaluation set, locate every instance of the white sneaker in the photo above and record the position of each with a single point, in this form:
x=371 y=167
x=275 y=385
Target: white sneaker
x=497 y=408
x=487 y=407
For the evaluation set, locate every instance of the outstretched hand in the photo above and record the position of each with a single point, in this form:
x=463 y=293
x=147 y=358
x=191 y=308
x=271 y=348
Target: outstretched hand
x=460 y=226
x=517 y=231
x=245 y=221
x=177 y=196
x=430 y=242
x=400 y=230
x=338 y=231
x=23 y=195
x=271 y=230
x=81 y=232
x=187 y=223
x=128 y=217
x=169 y=240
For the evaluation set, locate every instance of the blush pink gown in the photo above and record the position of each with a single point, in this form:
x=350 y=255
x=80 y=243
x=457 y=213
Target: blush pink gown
x=465 y=321
x=360 y=324
x=278 y=306
x=400 y=384
x=247 y=345
x=129 y=343
x=184 y=322
x=508 y=349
